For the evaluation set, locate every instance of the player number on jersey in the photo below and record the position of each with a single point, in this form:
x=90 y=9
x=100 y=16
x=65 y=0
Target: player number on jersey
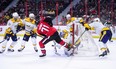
x=43 y=28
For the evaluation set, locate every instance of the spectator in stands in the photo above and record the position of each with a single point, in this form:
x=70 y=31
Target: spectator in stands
x=63 y=20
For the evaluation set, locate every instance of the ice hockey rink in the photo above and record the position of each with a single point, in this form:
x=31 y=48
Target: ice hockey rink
x=29 y=59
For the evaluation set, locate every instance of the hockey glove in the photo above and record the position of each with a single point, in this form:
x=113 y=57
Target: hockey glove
x=19 y=28
x=86 y=29
x=34 y=35
x=33 y=31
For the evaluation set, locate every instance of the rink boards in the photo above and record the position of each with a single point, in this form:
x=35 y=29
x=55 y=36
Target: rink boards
x=3 y=28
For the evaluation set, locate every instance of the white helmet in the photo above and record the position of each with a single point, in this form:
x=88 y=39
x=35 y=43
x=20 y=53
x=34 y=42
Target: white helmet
x=96 y=20
x=68 y=16
x=31 y=15
x=15 y=15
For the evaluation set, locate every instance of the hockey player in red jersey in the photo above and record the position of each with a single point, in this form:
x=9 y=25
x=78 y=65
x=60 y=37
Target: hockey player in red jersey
x=46 y=29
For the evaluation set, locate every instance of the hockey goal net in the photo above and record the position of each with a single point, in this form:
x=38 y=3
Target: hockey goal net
x=86 y=45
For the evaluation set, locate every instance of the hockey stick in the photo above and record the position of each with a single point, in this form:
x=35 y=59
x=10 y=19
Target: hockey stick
x=76 y=42
x=7 y=38
x=55 y=49
x=79 y=37
x=2 y=41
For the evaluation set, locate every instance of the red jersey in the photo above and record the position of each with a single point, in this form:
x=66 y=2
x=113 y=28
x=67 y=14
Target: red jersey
x=45 y=28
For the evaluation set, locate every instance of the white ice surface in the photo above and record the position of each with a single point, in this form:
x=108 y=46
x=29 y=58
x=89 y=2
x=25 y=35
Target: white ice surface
x=29 y=59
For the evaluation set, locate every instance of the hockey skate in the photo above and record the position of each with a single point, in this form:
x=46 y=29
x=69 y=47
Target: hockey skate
x=2 y=51
x=68 y=51
x=110 y=40
x=10 y=50
x=103 y=54
x=43 y=55
x=108 y=51
x=19 y=50
x=35 y=48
